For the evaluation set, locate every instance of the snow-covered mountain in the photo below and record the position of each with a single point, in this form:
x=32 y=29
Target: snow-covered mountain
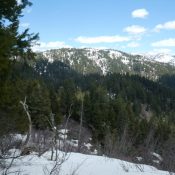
x=105 y=61
x=161 y=57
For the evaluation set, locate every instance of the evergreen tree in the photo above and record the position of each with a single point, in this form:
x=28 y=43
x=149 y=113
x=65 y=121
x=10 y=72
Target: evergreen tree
x=13 y=44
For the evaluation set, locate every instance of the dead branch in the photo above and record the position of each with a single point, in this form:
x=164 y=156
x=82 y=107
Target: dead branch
x=25 y=107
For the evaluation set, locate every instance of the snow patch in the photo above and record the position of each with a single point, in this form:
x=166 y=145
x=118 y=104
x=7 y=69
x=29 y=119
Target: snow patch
x=81 y=164
x=114 y=54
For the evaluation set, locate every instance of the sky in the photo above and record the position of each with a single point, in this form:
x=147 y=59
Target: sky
x=134 y=26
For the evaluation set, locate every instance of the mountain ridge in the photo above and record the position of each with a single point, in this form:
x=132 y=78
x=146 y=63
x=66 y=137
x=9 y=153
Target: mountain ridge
x=104 y=61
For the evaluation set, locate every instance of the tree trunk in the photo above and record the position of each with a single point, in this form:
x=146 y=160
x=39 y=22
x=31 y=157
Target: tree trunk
x=25 y=107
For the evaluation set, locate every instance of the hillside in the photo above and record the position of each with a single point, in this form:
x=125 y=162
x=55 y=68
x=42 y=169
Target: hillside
x=80 y=164
x=68 y=107
x=87 y=61
x=127 y=115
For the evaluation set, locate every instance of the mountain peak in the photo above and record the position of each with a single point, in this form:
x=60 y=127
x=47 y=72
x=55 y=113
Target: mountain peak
x=103 y=61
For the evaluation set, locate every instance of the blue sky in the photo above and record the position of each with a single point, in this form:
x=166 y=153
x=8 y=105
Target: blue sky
x=128 y=25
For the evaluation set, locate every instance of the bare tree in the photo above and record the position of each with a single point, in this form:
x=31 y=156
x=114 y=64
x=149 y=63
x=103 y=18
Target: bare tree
x=116 y=146
x=8 y=142
x=54 y=135
x=55 y=170
x=168 y=155
x=5 y=167
x=41 y=140
x=25 y=107
x=60 y=157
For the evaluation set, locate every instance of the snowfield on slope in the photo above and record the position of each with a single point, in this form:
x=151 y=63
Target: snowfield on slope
x=80 y=164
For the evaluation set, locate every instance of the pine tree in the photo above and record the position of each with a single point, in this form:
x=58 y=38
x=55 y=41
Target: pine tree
x=13 y=44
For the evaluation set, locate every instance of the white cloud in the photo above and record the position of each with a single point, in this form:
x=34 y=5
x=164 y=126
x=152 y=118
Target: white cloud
x=25 y=25
x=170 y=25
x=101 y=39
x=133 y=45
x=140 y=13
x=164 y=43
x=135 y=29
x=41 y=46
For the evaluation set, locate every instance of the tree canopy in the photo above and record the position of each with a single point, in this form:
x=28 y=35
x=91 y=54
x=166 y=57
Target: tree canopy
x=13 y=43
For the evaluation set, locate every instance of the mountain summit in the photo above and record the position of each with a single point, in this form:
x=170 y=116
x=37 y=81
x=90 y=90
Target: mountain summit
x=106 y=61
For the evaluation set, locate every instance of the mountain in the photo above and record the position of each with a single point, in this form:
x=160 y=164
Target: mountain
x=87 y=60
x=161 y=57
x=127 y=115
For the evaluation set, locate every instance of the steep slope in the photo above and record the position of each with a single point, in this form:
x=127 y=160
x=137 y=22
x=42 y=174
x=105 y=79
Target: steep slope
x=87 y=61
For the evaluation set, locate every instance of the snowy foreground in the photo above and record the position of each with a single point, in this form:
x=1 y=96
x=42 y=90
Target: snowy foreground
x=80 y=164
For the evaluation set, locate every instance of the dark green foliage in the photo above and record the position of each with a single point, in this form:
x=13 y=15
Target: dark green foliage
x=135 y=112
x=13 y=44
x=132 y=109
x=168 y=80
x=113 y=101
x=39 y=103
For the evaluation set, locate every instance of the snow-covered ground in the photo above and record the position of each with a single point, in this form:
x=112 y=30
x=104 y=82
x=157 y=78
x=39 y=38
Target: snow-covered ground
x=80 y=164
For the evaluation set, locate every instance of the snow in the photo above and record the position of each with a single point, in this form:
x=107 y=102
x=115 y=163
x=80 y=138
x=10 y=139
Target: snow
x=159 y=57
x=102 y=64
x=72 y=142
x=63 y=136
x=63 y=131
x=139 y=158
x=19 y=137
x=95 y=152
x=114 y=54
x=94 y=54
x=48 y=56
x=100 y=57
x=163 y=58
x=125 y=61
x=81 y=164
x=88 y=145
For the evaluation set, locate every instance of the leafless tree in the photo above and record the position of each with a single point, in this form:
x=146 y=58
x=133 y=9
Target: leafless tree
x=40 y=140
x=8 y=142
x=5 y=167
x=65 y=146
x=140 y=167
x=168 y=155
x=59 y=157
x=25 y=107
x=116 y=146
x=55 y=170
x=125 y=166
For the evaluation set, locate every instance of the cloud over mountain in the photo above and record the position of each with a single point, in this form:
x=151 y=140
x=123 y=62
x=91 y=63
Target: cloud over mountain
x=101 y=39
